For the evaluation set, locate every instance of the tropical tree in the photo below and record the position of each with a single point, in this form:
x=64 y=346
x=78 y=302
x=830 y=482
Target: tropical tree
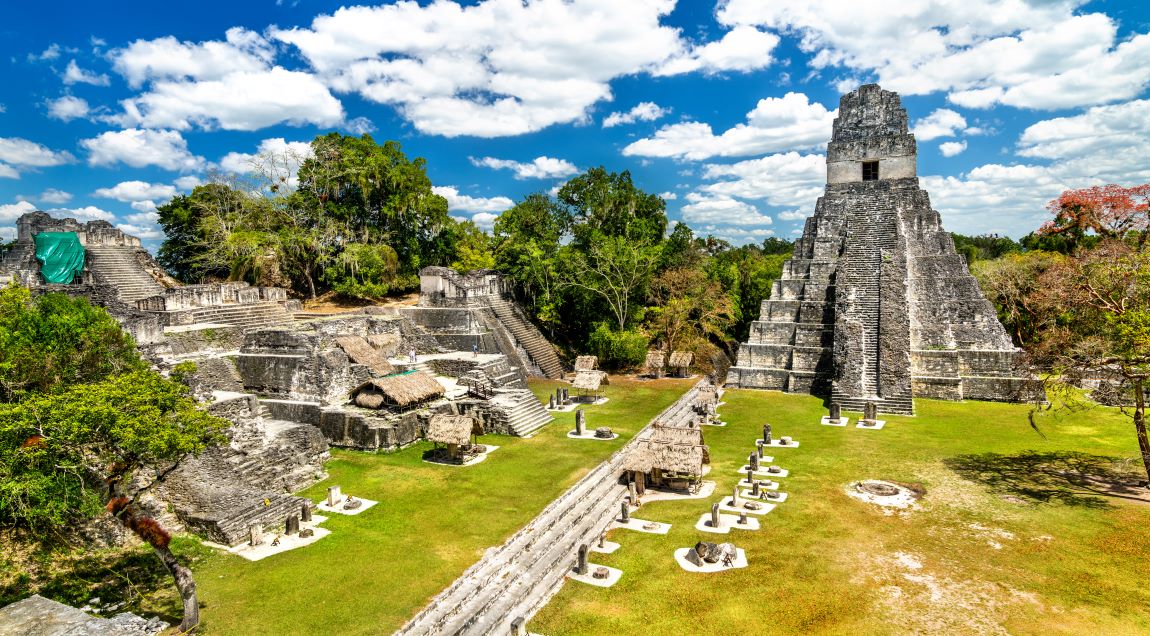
x=1097 y=322
x=55 y=340
x=71 y=454
x=1011 y=282
x=1109 y=211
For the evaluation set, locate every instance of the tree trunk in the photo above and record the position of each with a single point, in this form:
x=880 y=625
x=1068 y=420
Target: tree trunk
x=310 y=282
x=1140 y=426
x=185 y=584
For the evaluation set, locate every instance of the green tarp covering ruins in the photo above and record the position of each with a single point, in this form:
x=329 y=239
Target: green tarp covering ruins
x=61 y=256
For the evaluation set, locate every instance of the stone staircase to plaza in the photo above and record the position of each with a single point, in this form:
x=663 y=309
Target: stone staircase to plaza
x=520 y=411
x=271 y=512
x=245 y=316
x=116 y=265
x=526 y=335
x=515 y=580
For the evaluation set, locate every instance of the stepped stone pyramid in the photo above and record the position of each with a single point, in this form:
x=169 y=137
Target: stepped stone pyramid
x=875 y=304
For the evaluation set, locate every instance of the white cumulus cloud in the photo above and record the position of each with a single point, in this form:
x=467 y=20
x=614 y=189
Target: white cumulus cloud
x=139 y=148
x=457 y=202
x=941 y=123
x=129 y=191
x=980 y=52
x=790 y=122
x=721 y=210
x=73 y=74
x=743 y=48
x=538 y=168
x=643 y=111
x=952 y=148
x=67 y=108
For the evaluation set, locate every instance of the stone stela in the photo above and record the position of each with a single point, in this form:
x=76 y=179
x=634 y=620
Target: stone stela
x=875 y=303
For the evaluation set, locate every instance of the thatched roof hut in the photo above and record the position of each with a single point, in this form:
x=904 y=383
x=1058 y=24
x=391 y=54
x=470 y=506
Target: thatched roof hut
x=589 y=380
x=681 y=359
x=453 y=429
x=646 y=457
x=361 y=352
x=401 y=390
x=655 y=360
x=586 y=363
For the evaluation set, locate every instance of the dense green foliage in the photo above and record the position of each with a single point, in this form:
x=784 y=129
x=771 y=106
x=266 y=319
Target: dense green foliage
x=80 y=412
x=359 y=218
x=58 y=450
x=600 y=250
x=56 y=340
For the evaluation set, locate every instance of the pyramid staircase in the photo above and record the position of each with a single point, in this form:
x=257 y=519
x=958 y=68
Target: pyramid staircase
x=116 y=265
x=873 y=237
x=526 y=335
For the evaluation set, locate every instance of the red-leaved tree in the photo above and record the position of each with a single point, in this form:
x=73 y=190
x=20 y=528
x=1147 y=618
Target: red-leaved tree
x=1110 y=211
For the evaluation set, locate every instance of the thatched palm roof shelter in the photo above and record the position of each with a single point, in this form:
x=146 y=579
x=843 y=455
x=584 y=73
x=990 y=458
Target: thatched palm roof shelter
x=654 y=362
x=707 y=396
x=586 y=363
x=655 y=459
x=681 y=360
x=453 y=429
x=402 y=390
x=589 y=381
x=361 y=352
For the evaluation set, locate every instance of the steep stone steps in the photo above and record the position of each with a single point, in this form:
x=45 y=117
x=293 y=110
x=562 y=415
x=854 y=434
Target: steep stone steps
x=264 y=314
x=537 y=347
x=117 y=266
x=521 y=411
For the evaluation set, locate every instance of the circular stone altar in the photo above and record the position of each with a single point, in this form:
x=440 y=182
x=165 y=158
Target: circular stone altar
x=882 y=493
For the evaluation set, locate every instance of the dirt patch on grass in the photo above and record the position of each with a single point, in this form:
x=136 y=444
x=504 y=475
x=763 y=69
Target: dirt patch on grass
x=916 y=598
x=891 y=496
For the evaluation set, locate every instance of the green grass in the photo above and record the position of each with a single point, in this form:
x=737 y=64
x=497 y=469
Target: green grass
x=1009 y=538
x=377 y=569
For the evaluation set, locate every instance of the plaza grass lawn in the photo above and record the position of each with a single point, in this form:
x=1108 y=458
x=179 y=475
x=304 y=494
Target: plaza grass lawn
x=377 y=569
x=1003 y=540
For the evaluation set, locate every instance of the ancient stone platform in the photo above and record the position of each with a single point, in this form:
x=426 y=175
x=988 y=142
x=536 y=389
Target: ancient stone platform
x=876 y=304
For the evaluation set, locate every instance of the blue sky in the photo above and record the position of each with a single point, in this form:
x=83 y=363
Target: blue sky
x=723 y=108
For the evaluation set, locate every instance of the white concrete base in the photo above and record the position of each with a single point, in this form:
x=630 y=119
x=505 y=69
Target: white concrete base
x=726 y=506
x=706 y=490
x=338 y=507
x=637 y=525
x=591 y=435
x=726 y=523
x=613 y=576
x=746 y=494
x=471 y=462
x=842 y=421
x=608 y=547
x=562 y=409
x=681 y=558
x=774 y=485
x=775 y=444
x=766 y=459
x=764 y=474
x=287 y=542
x=877 y=425
x=716 y=423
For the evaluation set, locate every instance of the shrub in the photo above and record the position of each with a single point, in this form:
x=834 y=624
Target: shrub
x=618 y=349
